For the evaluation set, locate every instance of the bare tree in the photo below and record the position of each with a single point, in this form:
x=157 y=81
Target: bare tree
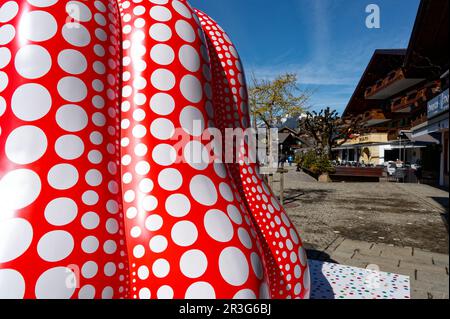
x=328 y=129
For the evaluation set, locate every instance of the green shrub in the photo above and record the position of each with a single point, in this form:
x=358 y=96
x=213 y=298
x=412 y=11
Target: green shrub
x=316 y=163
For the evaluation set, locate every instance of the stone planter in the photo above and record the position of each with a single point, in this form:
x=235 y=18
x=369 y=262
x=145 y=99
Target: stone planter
x=325 y=178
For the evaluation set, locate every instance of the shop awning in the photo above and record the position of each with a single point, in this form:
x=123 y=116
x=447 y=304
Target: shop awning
x=425 y=138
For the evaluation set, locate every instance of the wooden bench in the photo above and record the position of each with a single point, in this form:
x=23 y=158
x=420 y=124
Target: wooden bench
x=360 y=174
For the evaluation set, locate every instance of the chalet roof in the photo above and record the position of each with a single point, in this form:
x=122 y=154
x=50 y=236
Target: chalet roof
x=428 y=50
x=381 y=63
x=427 y=55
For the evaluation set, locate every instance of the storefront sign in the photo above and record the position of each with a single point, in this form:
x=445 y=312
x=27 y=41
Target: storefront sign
x=438 y=105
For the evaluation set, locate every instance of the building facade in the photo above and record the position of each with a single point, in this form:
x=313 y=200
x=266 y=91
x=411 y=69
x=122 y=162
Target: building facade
x=402 y=98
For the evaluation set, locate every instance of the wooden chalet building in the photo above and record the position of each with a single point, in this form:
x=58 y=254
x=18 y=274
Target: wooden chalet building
x=403 y=98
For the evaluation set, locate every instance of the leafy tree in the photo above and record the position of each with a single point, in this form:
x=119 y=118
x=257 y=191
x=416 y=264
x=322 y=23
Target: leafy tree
x=273 y=100
x=328 y=129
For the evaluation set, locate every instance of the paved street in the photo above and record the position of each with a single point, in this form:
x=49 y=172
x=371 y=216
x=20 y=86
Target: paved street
x=401 y=228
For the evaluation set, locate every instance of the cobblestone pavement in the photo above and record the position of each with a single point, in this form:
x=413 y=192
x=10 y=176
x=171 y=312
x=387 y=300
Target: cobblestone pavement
x=401 y=228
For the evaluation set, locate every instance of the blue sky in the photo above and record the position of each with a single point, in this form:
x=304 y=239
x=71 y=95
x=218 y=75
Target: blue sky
x=326 y=42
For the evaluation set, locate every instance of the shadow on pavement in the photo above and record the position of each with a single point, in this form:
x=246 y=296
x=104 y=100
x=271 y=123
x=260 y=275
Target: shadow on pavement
x=320 y=287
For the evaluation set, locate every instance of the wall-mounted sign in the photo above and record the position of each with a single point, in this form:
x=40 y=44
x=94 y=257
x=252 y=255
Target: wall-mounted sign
x=438 y=105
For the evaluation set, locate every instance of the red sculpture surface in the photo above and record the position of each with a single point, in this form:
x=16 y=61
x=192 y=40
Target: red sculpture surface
x=111 y=183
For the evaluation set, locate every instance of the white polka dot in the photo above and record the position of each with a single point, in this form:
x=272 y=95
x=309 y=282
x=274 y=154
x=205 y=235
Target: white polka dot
x=93 y=177
x=158 y=244
x=162 y=129
x=182 y=9
x=161 y=268
x=71 y=118
x=61 y=211
x=191 y=88
x=16 y=235
x=109 y=269
x=72 y=89
x=135 y=232
x=149 y=203
x=264 y=293
x=203 y=190
x=184 y=233
x=226 y=192
x=178 y=205
x=165 y=292
x=86 y=292
x=138 y=251
x=78 y=11
x=234 y=214
x=110 y=247
x=12 y=284
x=185 y=31
x=200 y=290
x=193 y=264
x=145 y=294
x=163 y=80
x=233 y=266
x=8 y=11
x=25 y=145
x=69 y=147
x=30 y=102
x=162 y=54
x=72 y=61
x=170 y=179
x=89 y=270
x=245 y=238
x=146 y=185
x=164 y=155
x=55 y=246
x=153 y=222
x=302 y=256
x=7 y=33
x=53 y=284
x=160 y=13
x=76 y=34
x=33 y=61
x=5 y=57
x=257 y=265
x=196 y=155
x=62 y=176
x=189 y=58
x=2 y=105
x=143 y=272
x=192 y=121
x=37 y=26
x=21 y=181
x=89 y=244
x=108 y=293
x=139 y=131
x=90 y=198
x=142 y=168
x=112 y=226
x=245 y=294
x=90 y=220
x=218 y=226
x=4 y=80
x=162 y=104
x=160 y=32
x=42 y=3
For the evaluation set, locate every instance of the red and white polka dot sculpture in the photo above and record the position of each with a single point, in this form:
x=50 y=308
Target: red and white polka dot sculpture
x=108 y=187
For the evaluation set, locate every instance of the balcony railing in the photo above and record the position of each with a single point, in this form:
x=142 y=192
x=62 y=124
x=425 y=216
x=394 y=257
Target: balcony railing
x=383 y=83
x=409 y=102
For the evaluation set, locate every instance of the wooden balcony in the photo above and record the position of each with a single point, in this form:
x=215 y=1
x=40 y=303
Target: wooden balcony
x=419 y=120
x=374 y=117
x=392 y=84
x=409 y=102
